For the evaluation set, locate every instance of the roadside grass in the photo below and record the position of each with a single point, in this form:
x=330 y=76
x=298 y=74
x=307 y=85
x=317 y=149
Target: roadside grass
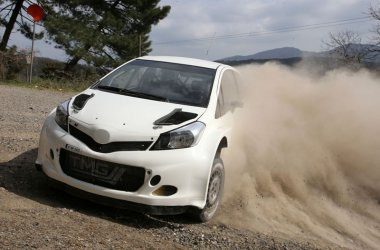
x=59 y=85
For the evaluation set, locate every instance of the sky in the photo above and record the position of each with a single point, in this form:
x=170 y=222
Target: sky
x=244 y=27
x=215 y=29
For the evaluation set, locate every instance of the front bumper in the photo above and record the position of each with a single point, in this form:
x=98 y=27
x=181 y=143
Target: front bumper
x=141 y=208
x=185 y=169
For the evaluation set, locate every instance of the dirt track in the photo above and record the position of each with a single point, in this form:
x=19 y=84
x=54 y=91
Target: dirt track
x=34 y=215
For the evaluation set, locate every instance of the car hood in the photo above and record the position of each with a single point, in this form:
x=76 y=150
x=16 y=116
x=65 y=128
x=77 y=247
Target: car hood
x=109 y=117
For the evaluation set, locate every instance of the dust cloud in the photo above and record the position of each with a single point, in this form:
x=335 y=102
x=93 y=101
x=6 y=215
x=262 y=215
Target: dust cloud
x=305 y=160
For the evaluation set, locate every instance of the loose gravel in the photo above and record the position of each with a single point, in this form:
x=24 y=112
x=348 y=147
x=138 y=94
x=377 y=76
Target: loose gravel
x=35 y=216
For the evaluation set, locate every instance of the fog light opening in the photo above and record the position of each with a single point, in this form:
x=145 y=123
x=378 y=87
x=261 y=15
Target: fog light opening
x=155 y=180
x=165 y=190
x=51 y=154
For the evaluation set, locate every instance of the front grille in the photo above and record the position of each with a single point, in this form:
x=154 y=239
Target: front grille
x=101 y=173
x=109 y=147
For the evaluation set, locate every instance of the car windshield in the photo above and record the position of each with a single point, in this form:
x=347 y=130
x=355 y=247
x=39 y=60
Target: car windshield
x=161 y=81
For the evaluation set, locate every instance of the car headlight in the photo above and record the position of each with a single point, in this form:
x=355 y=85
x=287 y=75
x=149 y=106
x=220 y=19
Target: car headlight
x=62 y=115
x=184 y=137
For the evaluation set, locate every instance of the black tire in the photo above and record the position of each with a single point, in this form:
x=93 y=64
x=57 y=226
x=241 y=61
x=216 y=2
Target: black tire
x=214 y=193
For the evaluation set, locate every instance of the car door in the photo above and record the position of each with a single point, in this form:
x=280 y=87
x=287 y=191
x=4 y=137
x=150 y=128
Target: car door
x=228 y=97
x=228 y=100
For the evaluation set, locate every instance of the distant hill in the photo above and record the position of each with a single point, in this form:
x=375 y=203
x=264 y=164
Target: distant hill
x=291 y=55
x=279 y=53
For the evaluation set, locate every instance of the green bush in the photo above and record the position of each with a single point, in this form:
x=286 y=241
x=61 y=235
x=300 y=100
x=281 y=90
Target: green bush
x=12 y=62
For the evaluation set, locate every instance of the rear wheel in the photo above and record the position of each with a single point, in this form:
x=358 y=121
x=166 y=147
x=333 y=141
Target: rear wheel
x=214 y=193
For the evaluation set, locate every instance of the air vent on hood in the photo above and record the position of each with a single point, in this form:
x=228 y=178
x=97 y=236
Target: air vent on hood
x=175 y=117
x=81 y=100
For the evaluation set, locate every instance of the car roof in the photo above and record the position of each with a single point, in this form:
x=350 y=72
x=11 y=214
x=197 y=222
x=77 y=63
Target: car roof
x=183 y=60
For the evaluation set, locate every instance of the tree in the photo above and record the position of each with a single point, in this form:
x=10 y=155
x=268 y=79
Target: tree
x=15 y=13
x=348 y=47
x=102 y=32
x=374 y=11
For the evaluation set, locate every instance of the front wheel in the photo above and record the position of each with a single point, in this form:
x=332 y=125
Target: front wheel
x=214 y=193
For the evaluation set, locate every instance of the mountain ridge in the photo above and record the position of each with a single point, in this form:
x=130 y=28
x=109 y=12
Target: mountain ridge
x=292 y=52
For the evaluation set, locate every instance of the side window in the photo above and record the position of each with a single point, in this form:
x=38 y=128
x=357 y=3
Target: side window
x=228 y=93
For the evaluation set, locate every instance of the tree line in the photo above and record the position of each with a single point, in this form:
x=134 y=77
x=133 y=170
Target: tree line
x=103 y=33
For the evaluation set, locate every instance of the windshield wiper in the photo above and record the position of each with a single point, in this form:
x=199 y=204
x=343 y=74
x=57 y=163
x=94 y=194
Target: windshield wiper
x=142 y=95
x=109 y=88
x=132 y=93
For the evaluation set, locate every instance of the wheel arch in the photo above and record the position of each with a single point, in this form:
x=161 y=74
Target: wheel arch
x=219 y=143
x=222 y=144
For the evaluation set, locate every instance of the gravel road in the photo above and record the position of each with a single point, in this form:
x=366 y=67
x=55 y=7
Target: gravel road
x=34 y=215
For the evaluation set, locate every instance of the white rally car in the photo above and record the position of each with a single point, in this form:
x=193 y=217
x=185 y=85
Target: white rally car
x=147 y=136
